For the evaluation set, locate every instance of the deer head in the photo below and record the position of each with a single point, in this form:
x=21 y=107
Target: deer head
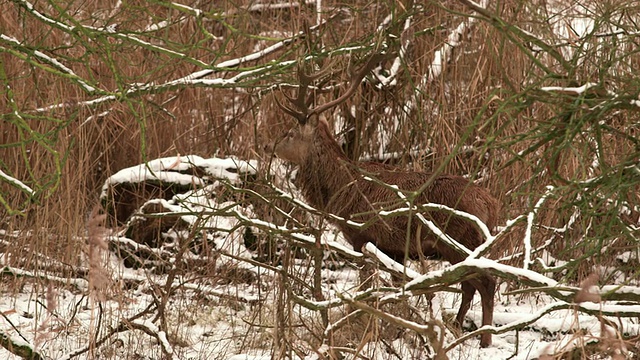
x=303 y=138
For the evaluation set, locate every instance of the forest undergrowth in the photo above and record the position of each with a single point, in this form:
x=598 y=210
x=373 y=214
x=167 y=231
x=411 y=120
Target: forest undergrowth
x=136 y=196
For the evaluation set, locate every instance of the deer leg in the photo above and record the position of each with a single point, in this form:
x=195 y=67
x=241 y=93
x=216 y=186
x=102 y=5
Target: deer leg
x=486 y=286
x=487 y=292
x=468 y=290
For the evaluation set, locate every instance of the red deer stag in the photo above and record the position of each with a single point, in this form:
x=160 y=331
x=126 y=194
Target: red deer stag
x=333 y=183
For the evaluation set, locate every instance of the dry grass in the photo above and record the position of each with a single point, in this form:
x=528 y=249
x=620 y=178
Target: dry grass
x=484 y=117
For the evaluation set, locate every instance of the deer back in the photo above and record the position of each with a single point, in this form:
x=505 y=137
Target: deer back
x=346 y=192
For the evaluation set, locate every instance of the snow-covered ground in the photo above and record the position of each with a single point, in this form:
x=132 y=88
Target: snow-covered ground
x=185 y=312
x=205 y=323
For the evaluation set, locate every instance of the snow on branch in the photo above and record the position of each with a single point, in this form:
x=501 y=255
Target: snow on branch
x=169 y=169
x=29 y=7
x=17 y=183
x=151 y=329
x=439 y=207
x=109 y=31
x=257 y=55
x=392 y=319
x=296 y=234
x=589 y=88
x=80 y=284
x=139 y=89
x=394 y=70
x=277 y=5
x=58 y=65
x=251 y=8
x=524 y=276
x=528 y=248
x=390 y=264
x=539 y=282
x=194 y=79
x=580 y=90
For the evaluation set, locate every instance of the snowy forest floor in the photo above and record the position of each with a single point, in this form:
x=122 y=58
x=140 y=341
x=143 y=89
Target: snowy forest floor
x=187 y=298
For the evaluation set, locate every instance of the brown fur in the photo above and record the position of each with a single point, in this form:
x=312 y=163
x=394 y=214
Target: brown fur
x=333 y=183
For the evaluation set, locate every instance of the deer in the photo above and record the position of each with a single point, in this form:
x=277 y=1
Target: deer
x=333 y=183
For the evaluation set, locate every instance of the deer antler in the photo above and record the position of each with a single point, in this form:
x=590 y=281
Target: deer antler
x=299 y=108
x=355 y=82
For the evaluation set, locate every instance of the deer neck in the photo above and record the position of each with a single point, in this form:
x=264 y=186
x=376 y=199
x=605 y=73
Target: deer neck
x=326 y=171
